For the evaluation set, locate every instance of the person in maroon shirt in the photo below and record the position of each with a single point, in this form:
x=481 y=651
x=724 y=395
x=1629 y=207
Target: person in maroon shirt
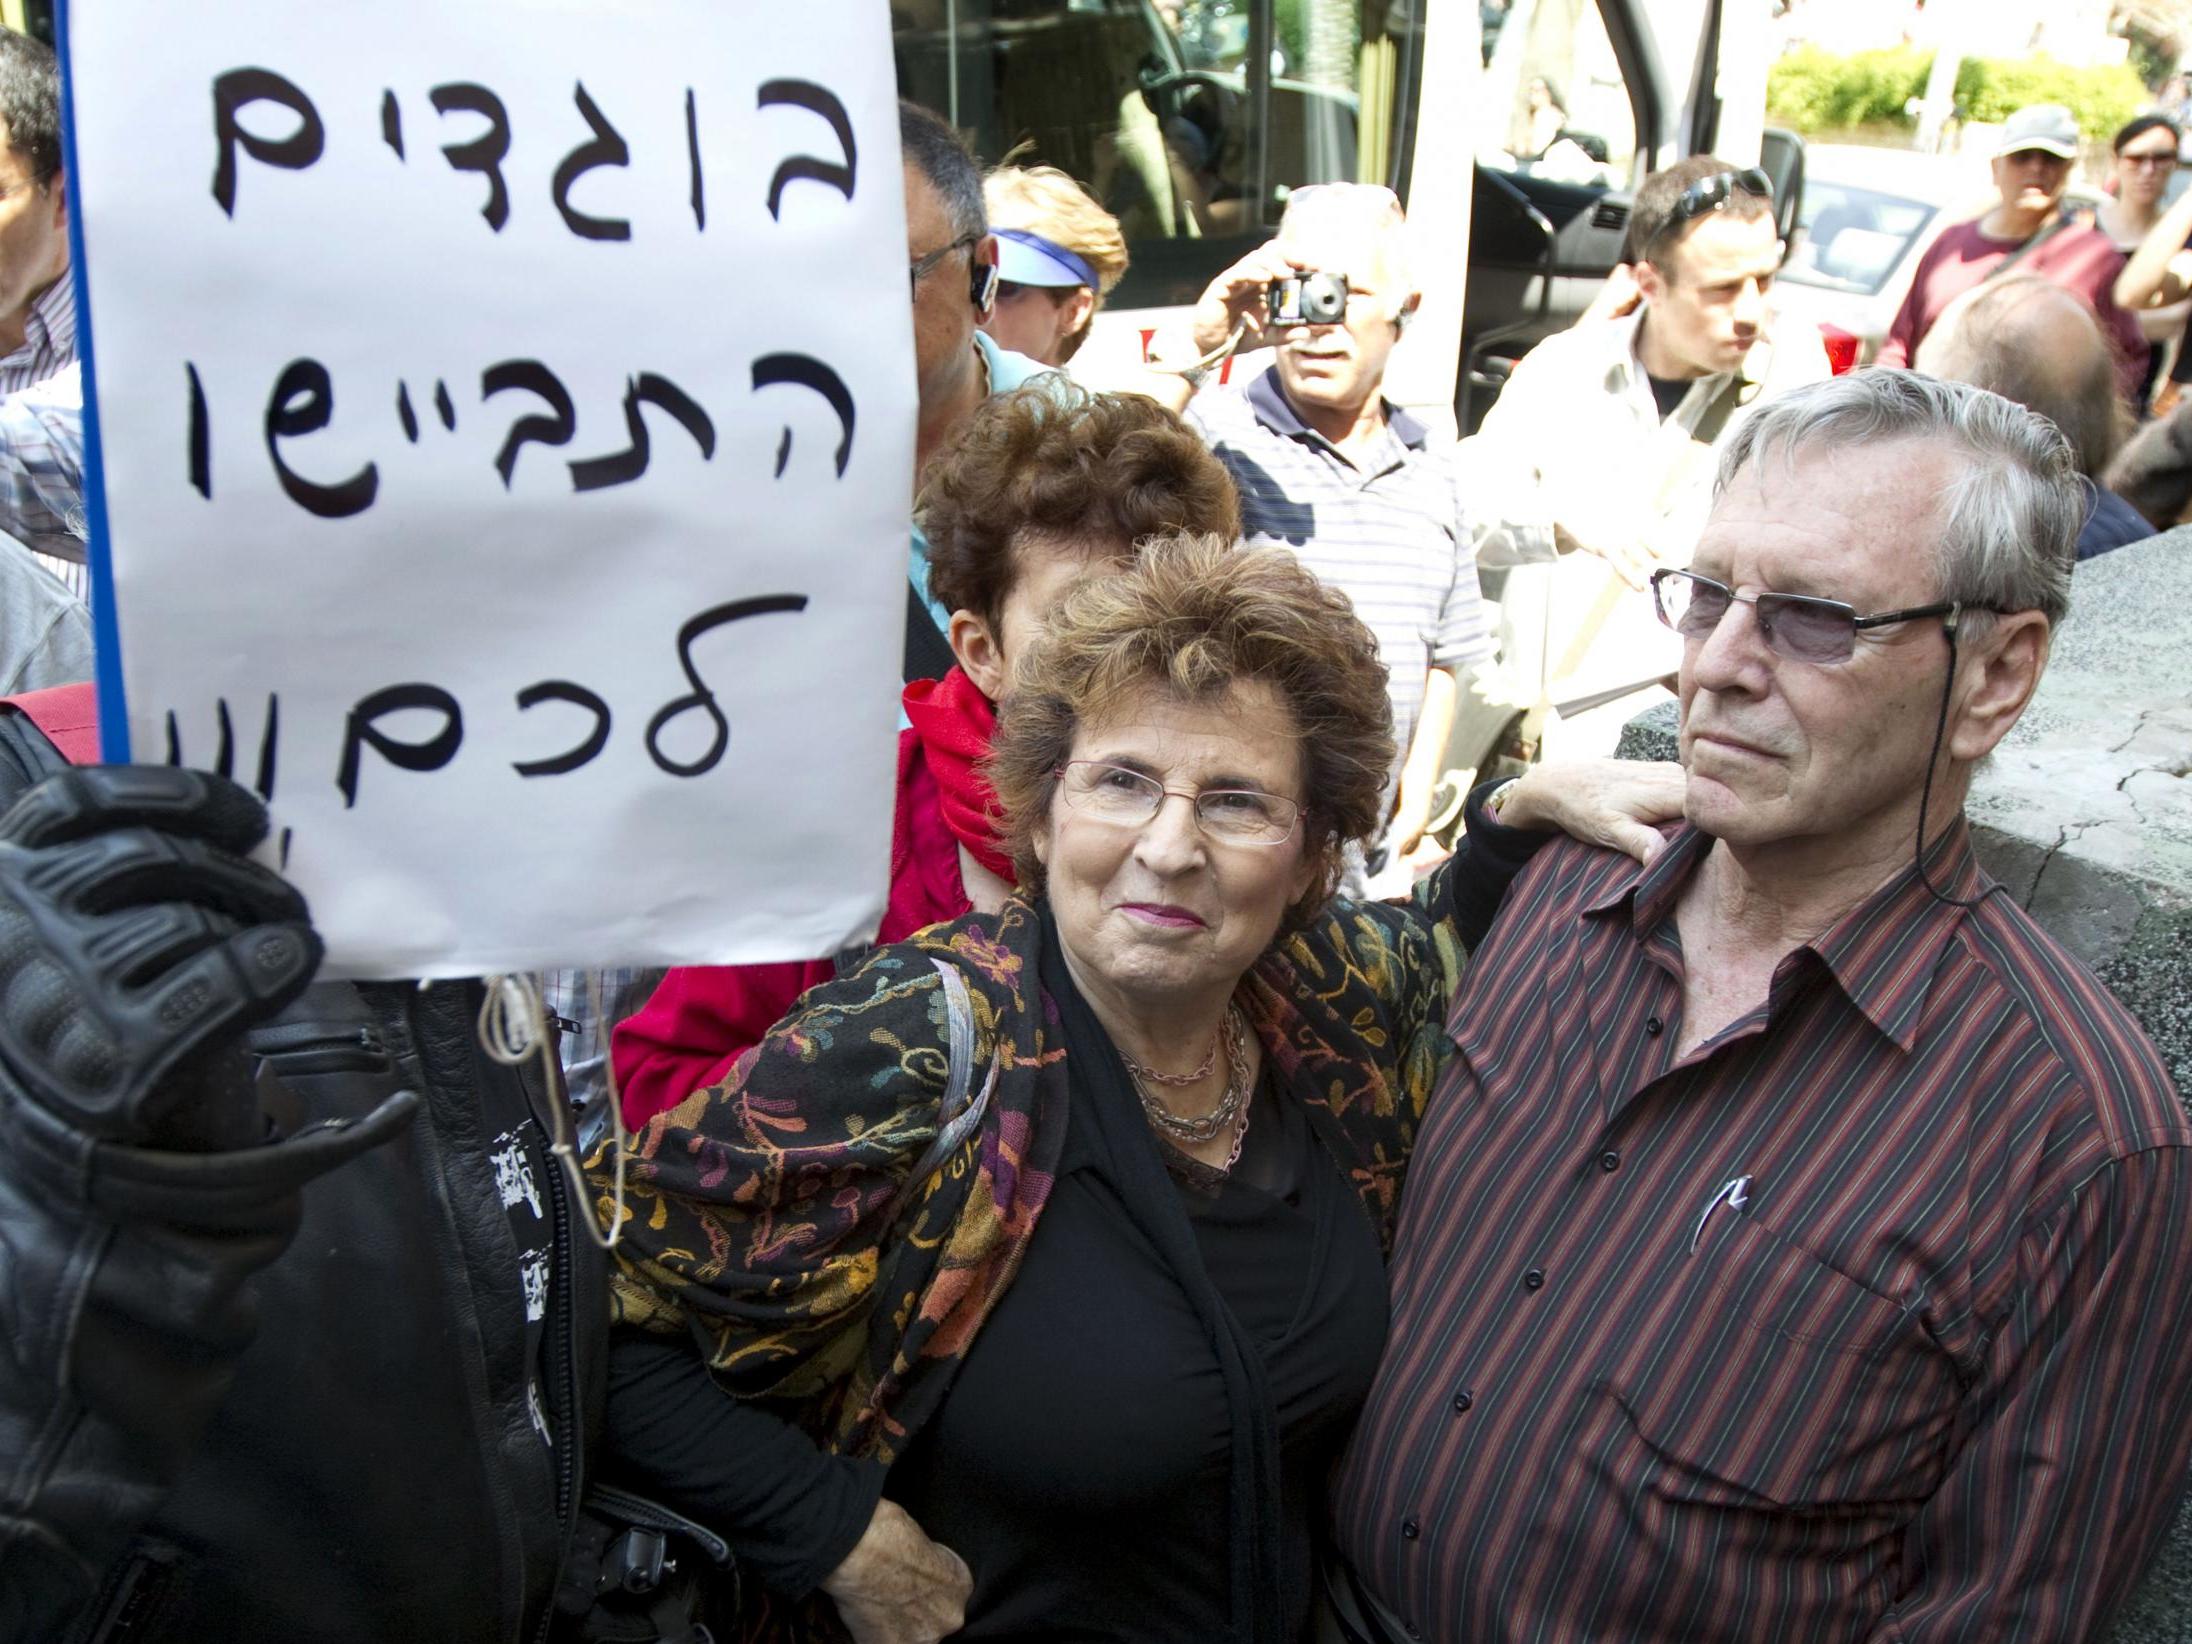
x=1794 y=1248
x=2030 y=232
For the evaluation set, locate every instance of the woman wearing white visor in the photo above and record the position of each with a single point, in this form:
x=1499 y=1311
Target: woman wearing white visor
x=1059 y=254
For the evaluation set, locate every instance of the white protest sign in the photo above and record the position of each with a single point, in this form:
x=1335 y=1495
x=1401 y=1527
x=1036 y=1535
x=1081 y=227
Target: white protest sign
x=505 y=410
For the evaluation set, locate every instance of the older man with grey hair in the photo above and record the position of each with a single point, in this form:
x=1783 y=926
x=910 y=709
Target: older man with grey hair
x=951 y=259
x=1331 y=469
x=1794 y=1249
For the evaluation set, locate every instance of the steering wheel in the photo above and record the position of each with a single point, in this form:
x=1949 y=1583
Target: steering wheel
x=1201 y=100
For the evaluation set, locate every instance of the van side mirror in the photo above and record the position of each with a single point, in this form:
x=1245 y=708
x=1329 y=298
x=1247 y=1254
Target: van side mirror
x=1781 y=157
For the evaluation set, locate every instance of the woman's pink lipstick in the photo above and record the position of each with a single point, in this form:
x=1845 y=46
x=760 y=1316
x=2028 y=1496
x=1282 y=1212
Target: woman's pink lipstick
x=1161 y=913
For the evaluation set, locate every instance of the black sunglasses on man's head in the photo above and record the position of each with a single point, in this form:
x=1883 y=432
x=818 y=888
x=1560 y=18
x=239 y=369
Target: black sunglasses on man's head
x=1709 y=194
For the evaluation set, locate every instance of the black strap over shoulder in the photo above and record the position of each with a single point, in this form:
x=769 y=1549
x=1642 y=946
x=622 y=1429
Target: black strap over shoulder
x=928 y=653
x=2062 y=220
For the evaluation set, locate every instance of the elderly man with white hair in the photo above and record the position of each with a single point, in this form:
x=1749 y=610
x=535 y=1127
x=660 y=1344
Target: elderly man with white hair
x=1331 y=469
x=1795 y=1246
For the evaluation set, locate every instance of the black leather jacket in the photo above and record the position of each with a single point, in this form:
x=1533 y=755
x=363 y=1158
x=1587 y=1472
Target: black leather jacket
x=371 y=1471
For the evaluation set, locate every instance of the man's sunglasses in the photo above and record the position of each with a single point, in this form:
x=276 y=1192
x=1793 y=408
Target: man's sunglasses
x=1796 y=626
x=1709 y=194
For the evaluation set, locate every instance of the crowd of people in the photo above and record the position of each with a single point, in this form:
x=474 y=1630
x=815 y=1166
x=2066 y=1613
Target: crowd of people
x=1688 y=1202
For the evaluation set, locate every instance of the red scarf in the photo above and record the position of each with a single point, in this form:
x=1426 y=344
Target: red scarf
x=954 y=723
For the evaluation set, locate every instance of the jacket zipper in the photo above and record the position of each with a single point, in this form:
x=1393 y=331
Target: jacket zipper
x=567 y=1375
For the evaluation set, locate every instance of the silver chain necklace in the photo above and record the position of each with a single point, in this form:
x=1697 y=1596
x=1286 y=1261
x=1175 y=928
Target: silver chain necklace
x=1150 y=1076
x=1198 y=1130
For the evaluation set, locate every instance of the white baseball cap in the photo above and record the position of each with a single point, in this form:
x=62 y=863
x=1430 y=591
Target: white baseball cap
x=2048 y=127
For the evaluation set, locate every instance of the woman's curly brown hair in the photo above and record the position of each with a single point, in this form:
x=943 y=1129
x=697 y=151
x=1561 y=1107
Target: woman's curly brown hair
x=1194 y=617
x=1052 y=460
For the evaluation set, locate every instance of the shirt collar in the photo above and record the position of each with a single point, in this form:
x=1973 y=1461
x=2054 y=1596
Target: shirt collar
x=1267 y=399
x=1626 y=370
x=1650 y=891
x=50 y=327
x=1882 y=953
x=1007 y=370
x=1884 y=950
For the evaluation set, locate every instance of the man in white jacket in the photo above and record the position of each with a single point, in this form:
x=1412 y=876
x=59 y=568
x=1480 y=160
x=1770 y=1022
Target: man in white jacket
x=1595 y=465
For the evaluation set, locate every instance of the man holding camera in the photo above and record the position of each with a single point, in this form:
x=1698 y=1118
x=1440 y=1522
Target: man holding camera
x=1595 y=464
x=1328 y=467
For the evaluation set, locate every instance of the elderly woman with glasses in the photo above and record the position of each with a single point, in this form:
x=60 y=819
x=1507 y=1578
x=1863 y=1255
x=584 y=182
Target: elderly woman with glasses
x=1041 y=1254
x=1044 y=485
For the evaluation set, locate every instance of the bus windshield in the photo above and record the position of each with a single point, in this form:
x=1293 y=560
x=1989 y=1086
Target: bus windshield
x=1190 y=120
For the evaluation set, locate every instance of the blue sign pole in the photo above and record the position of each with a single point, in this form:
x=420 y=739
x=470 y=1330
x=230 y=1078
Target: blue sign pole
x=105 y=626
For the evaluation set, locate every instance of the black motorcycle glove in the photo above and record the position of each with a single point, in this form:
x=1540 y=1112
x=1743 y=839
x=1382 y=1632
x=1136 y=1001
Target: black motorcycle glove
x=139 y=1188
x=136 y=946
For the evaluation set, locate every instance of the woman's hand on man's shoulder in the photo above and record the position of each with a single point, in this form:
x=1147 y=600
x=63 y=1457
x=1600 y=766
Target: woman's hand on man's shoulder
x=1615 y=803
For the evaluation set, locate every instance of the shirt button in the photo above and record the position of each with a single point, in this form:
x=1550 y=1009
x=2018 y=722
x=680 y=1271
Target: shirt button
x=1462 y=1401
x=1609 y=1161
x=1410 y=1529
x=1654 y=1027
x=1534 y=1279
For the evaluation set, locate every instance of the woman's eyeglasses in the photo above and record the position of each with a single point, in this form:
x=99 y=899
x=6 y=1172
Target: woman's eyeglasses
x=1795 y=625
x=1232 y=816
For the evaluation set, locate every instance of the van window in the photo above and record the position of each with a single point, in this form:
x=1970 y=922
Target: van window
x=1191 y=120
x=31 y=17
x=1556 y=104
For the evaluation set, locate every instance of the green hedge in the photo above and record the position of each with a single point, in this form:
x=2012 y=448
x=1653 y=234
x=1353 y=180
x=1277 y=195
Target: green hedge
x=1814 y=90
x=1994 y=88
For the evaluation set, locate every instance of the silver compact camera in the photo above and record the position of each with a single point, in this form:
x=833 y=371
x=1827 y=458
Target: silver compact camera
x=1307 y=299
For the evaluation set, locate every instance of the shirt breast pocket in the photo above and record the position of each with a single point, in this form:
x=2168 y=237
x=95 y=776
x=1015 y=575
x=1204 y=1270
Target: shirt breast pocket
x=1774 y=1378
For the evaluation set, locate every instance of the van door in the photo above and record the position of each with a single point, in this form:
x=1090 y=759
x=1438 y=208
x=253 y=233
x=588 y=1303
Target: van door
x=1581 y=100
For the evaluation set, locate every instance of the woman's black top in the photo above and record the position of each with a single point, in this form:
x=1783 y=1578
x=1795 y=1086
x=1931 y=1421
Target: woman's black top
x=1079 y=1464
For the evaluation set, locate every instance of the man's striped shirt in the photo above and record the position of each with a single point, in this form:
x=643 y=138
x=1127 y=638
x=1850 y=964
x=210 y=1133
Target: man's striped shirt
x=49 y=338
x=42 y=438
x=1384 y=527
x=42 y=473
x=1870 y=1318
